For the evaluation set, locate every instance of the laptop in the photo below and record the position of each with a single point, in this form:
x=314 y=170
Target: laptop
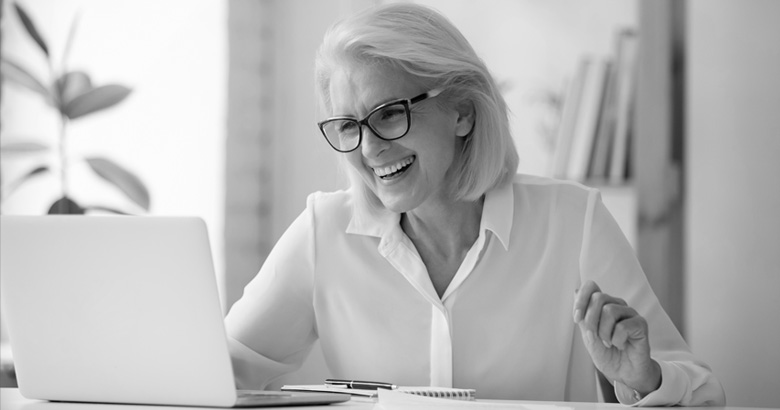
x=120 y=309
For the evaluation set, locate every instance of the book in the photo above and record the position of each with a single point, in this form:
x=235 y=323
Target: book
x=392 y=400
x=560 y=162
x=627 y=52
x=595 y=79
x=605 y=130
x=441 y=392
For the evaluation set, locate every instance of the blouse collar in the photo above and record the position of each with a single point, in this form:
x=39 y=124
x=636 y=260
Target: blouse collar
x=497 y=215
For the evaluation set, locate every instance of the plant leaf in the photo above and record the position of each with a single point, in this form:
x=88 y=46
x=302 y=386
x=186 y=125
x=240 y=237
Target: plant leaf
x=72 y=84
x=35 y=171
x=30 y=27
x=12 y=186
x=95 y=99
x=105 y=209
x=127 y=182
x=21 y=76
x=22 y=147
x=65 y=206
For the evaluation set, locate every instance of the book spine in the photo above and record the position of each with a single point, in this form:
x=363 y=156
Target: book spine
x=587 y=118
x=566 y=128
x=599 y=164
x=627 y=67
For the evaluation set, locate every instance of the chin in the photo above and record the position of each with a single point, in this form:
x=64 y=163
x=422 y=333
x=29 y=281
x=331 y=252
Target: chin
x=398 y=198
x=399 y=205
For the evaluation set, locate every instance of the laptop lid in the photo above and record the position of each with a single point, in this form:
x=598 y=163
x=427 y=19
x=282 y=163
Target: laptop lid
x=118 y=309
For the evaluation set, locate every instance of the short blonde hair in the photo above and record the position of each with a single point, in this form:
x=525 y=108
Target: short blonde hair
x=424 y=44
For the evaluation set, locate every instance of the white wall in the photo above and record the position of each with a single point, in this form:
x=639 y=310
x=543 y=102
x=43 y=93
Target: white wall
x=733 y=161
x=304 y=162
x=170 y=131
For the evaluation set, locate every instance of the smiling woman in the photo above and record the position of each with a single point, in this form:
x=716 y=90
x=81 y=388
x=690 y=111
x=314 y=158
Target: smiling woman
x=460 y=272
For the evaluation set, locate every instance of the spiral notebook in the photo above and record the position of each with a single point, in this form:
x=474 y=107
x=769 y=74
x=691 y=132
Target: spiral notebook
x=442 y=392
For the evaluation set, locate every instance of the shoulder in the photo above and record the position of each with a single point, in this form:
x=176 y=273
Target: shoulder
x=547 y=203
x=556 y=212
x=549 y=193
x=335 y=200
x=326 y=214
x=333 y=209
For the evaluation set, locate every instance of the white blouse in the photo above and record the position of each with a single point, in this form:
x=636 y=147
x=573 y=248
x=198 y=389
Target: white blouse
x=504 y=326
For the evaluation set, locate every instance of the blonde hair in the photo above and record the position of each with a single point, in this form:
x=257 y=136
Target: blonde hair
x=424 y=44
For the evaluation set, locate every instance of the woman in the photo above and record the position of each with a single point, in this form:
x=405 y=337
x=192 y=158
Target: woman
x=441 y=267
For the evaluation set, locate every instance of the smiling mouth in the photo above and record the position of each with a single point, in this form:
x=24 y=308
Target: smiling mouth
x=395 y=170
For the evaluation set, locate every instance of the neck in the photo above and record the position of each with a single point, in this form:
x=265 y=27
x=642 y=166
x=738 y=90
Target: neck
x=448 y=228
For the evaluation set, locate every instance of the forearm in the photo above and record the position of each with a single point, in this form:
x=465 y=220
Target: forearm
x=253 y=371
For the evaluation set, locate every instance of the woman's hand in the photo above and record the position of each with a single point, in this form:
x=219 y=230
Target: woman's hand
x=616 y=338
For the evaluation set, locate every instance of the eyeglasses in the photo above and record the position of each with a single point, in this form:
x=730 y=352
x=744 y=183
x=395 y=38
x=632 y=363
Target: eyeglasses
x=389 y=121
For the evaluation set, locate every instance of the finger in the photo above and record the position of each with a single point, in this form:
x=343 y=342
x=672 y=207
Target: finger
x=612 y=313
x=633 y=328
x=582 y=299
x=595 y=308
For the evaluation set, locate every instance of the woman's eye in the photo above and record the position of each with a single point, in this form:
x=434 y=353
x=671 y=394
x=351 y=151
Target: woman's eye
x=347 y=127
x=392 y=113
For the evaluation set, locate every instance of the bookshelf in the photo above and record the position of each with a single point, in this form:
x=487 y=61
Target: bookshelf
x=595 y=131
x=621 y=131
x=593 y=141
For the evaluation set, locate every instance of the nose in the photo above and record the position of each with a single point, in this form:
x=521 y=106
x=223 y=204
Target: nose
x=372 y=145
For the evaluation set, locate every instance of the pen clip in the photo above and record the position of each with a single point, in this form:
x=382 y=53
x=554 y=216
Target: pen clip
x=336 y=382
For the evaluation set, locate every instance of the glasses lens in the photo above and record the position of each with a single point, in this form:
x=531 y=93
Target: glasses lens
x=344 y=135
x=390 y=122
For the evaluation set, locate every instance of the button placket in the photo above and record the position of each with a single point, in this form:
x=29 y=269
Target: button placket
x=441 y=347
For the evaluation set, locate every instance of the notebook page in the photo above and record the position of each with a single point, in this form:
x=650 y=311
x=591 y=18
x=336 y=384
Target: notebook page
x=395 y=400
x=441 y=392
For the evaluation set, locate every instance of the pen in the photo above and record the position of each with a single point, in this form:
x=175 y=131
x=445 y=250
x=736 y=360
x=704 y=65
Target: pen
x=359 y=384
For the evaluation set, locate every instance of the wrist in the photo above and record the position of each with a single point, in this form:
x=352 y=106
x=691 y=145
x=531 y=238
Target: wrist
x=648 y=384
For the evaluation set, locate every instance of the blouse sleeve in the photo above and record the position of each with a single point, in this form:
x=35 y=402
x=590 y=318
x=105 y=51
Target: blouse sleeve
x=608 y=259
x=271 y=329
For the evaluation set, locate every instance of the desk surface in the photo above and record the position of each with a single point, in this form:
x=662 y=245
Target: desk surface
x=11 y=399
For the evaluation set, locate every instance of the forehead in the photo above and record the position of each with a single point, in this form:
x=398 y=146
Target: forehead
x=356 y=90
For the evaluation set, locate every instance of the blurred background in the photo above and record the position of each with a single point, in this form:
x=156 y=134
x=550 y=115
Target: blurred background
x=210 y=111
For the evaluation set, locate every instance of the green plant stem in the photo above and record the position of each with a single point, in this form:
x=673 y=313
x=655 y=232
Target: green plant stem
x=63 y=160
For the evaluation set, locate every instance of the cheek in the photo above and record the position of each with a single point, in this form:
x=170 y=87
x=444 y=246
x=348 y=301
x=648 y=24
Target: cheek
x=441 y=152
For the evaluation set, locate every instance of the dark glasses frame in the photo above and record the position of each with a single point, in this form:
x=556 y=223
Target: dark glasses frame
x=407 y=103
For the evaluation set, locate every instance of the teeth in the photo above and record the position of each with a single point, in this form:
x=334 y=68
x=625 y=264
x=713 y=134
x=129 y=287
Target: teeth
x=385 y=171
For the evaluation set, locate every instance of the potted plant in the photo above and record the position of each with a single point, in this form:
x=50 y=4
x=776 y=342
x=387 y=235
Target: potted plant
x=73 y=96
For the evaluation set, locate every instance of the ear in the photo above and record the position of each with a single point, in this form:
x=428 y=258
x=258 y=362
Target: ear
x=466 y=115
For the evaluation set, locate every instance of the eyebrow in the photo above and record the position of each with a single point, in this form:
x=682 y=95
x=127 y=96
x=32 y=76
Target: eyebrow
x=373 y=107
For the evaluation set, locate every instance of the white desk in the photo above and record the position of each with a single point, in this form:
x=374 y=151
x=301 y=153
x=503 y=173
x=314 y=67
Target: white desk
x=11 y=399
